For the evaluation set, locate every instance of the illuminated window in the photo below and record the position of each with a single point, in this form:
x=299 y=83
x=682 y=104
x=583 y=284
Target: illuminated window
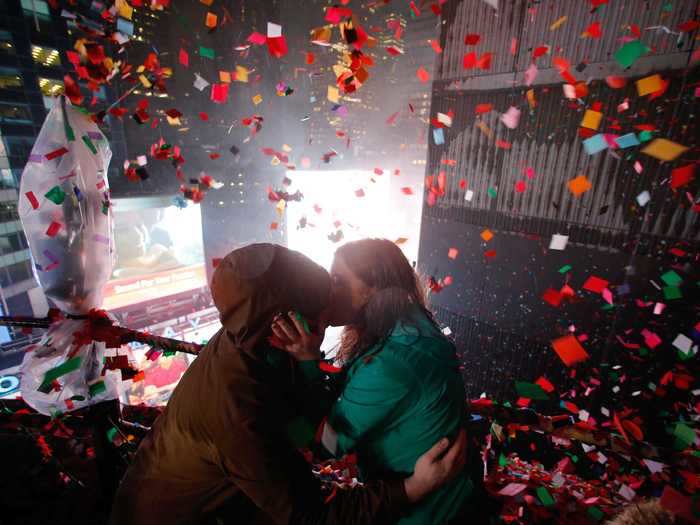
x=6 y=43
x=36 y=6
x=10 y=78
x=50 y=87
x=46 y=56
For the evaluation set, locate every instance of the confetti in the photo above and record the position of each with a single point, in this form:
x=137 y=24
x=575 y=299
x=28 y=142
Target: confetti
x=569 y=350
x=579 y=185
x=664 y=149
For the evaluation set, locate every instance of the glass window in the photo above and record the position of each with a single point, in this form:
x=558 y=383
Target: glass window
x=10 y=78
x=7 y=45
x=50 y=87
x=15 y=113
x=19 y=147
x=15 y=273
x=8 y=211
x=36 y=6
x=11 y=243
x=7 y=179
x=46 y=56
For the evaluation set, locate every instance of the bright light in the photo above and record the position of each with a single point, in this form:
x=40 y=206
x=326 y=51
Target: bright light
x=331 y=197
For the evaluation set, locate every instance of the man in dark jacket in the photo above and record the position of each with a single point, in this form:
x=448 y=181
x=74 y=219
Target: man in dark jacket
x=220 y=452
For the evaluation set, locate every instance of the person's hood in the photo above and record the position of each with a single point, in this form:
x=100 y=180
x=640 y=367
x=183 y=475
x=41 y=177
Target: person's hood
x=252 y=284
x=418 y=331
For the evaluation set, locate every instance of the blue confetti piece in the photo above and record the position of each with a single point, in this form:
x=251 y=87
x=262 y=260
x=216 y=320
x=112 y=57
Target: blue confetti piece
x=627 y=141
x=438 y=136
x=595 y=144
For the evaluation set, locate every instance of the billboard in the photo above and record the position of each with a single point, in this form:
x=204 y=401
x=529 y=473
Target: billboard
x=159 y=251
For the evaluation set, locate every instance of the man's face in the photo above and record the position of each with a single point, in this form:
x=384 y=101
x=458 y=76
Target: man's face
x=349 y=294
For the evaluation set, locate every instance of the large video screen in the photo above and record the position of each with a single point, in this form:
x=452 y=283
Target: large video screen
x=159 y=252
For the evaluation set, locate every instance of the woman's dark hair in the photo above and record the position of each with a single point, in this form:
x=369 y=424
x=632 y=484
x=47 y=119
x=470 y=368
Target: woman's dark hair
x=380 y=264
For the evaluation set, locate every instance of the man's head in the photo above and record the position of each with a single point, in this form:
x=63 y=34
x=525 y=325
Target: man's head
x=252 y=284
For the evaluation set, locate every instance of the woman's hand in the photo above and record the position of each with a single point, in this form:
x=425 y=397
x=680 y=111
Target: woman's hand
x=296 y=338
x=436 y=467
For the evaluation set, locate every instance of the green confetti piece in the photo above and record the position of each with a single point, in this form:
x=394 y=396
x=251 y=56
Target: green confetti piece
x=65 y=368
x=111 y=433
x=684 y=433
x=502 y=460
x=645 y=136
x=545 y=497
x=206 y=52
x=672 y=292
x=300 y=318
x=630 y=52
x=97 y=388
x=56 y=195
x=70 y=134
x=671 y=278
x=595 y=513
x=565 y=268
x=530 y=391
x=89 y=144
x=169 y=353
x=492 y=192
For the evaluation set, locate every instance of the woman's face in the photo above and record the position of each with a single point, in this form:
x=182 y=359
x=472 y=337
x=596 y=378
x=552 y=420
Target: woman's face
x=349 y=294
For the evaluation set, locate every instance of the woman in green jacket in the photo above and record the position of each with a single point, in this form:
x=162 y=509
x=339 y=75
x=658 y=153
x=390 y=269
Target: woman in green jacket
x=403 y=389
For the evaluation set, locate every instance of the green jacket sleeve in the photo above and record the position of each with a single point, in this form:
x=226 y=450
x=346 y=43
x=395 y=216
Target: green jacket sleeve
x=373 y=391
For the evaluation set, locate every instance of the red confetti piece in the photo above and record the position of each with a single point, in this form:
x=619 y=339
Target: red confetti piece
x=203 y=116
x=593 y=30
x=310 y=58
x=422 y=74
x=490 y=253
x=545 y=384
x=32 y=200
x=56 y=153
x=483 y=108
x=469 y=60
x=436 y=46
x=485 y=61
x=452 y=253
x=53 y=229
x=616 y=82
x=273 y=225
x=503 y=144
x=472 y=39
x=552 y=297
x=520 y=186
x=569 y=350
x=378 y=171
x=689 y=26
x=360 y=193
x=595 y=284
x=539 y=51
x=184 y=58
x=682 y=176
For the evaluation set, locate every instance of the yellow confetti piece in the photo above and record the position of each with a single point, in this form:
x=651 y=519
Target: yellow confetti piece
x=225 y=77
x=531 y=98
x=146 y=83
x=559 y=22
x=648 y=85
x=275 y=161
x=487 y=235
x=485 y=129
x=591 y=119
x=173 y=121
x=664 y=149
x=579 y=185
x=333 y=94
x=286 y=148
x=257 y=99
x=280 y=206
x=241 y=74
x=124 y=9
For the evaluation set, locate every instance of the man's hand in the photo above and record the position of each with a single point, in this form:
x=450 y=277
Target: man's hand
x=297 y=339
x=436 y=467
